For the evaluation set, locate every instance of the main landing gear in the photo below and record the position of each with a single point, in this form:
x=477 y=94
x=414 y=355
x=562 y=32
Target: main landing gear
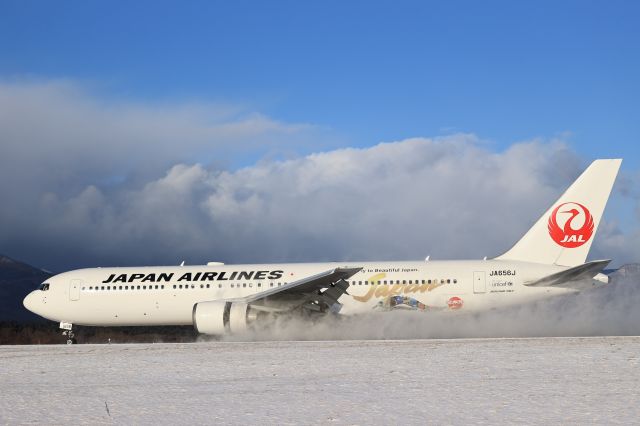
x=68 y=333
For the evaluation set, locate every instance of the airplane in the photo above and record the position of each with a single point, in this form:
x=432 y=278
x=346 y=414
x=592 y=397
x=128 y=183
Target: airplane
x=217 y=299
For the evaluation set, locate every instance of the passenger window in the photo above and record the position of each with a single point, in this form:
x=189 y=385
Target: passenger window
x=174 y=286
x=138 y=287
x=271 y=284
x=102 y=288
x=219 y=285
x=119 y=287
x=144 y=287
x=231 y=285
x=455 y=281
x=126 y=287
x=260 y=285
x=429 y=281
x=244 y=284
x=448 y=281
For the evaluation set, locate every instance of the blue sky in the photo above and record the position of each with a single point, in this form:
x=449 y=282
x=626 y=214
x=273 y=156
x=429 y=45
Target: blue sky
x=108 y=107
x=370 y=71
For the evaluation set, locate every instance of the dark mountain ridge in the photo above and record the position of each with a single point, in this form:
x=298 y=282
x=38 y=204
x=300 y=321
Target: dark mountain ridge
x=17 y=279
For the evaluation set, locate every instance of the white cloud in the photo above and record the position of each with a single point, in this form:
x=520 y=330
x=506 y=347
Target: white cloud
x=54 y=134
x=72 y=197
x=447 y=197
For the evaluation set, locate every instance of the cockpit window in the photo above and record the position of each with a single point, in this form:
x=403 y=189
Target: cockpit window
x=44 y=287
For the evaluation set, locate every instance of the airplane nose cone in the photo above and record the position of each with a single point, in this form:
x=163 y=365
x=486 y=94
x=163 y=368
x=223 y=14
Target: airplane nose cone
x=29 y=302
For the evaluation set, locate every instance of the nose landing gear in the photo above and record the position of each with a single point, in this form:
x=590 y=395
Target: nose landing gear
x=68 y=333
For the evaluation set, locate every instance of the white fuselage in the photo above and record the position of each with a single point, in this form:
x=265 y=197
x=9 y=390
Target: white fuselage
x=137 y=296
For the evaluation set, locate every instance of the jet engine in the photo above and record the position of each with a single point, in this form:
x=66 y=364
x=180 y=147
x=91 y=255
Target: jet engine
x=220 y=317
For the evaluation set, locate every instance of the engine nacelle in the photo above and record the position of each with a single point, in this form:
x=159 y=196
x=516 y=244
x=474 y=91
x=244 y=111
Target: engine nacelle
x=220 y=317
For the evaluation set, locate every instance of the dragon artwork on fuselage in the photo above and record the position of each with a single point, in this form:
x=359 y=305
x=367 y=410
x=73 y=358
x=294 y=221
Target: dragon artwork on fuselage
x=396 y=296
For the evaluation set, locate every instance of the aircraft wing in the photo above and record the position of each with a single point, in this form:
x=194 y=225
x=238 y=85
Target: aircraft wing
x=578 y=277
x=316 y=293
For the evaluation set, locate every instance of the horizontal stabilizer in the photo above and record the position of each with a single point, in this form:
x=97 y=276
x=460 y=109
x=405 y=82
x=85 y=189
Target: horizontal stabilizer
x=569 y=277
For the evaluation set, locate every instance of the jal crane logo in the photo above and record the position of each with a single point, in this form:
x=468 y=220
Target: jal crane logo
x=577 y=225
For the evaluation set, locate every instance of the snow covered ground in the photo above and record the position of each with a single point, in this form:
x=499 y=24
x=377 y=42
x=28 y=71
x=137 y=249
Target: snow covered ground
x=542 y=381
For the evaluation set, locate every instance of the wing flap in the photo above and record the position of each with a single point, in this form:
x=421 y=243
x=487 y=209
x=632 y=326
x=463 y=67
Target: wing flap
x=317 y=292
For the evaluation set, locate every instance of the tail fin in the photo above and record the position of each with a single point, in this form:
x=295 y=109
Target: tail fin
x=563 y=235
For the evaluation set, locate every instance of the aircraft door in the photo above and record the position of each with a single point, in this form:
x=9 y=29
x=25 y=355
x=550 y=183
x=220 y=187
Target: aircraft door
x=479 y=282
x=74 y=289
